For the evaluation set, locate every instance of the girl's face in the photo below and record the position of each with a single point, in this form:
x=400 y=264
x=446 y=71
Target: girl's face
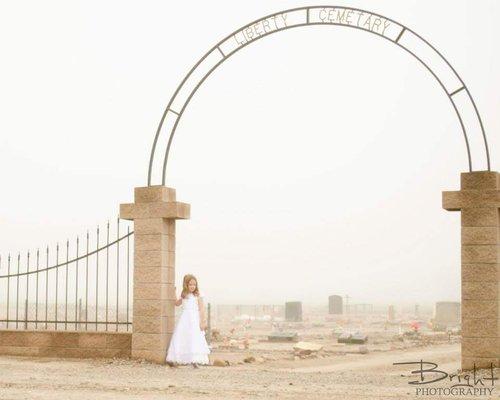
x=192 y=285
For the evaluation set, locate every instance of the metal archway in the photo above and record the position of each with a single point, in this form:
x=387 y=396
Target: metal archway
x=418 y=47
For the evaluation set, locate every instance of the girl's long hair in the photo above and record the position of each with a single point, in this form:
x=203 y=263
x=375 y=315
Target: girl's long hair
x=185 y=283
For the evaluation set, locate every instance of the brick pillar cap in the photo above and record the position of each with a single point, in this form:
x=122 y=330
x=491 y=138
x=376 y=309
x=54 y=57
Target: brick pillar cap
x=155 y=202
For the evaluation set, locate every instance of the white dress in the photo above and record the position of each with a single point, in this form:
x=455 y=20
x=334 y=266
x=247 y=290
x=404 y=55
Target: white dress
x=188 y=344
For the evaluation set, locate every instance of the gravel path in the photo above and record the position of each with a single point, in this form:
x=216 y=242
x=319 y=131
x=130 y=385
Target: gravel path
x=352 y=376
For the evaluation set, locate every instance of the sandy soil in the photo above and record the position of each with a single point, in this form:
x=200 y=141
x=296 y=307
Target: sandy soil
x=349 y=376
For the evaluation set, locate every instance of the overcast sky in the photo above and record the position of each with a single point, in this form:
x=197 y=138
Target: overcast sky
x=313 y=160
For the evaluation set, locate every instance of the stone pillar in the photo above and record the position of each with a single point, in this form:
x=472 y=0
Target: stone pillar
x=479 y=201
x=154 y=212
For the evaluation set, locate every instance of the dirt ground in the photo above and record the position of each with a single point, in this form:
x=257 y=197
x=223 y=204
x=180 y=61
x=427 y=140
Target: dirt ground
x=347 y=376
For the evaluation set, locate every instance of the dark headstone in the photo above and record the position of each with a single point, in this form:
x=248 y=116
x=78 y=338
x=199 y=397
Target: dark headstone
x=293 y=311
x=344 y=337
x=352 y=338
x=359 y=338
x=283 y=337
x=335 y=304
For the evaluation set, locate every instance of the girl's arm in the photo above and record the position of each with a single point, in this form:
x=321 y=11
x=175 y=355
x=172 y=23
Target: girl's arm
x=201 y=307
x=179 y=301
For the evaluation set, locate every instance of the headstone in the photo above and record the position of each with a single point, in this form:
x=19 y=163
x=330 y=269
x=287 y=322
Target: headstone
x=446 y=314
x=283 y=337
x=352 y=338
x=359 y=338
x=335 y=304
x=391 y=313
x=293 y=311
x=344 y=337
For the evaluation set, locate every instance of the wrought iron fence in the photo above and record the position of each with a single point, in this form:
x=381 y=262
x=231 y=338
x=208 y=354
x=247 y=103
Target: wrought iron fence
x=83 y=304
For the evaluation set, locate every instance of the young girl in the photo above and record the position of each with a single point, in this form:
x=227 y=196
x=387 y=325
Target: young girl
x=188 y=344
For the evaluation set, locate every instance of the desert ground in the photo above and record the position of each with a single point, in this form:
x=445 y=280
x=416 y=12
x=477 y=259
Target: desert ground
x=251 y=367
x=352 y=376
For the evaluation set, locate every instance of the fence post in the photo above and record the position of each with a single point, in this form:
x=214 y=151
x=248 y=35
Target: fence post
x=26 y=314
x=79 y=312
x=154 y=212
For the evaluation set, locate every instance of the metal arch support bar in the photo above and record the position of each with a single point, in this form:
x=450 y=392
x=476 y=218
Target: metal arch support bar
x=225 y=55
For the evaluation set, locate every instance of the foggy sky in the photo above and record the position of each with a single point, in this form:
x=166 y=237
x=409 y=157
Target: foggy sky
x=313 y=160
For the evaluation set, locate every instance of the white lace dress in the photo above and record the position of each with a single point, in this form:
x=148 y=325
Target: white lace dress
x=188 y=344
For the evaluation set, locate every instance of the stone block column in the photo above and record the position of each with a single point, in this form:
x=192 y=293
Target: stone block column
x=154 y=212
x=479 y=202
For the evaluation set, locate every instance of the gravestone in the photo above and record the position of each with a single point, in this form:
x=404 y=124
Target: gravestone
x=293 y=311
x=335 y=304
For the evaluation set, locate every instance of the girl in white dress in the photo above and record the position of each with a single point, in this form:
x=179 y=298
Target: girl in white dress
x=188 y=344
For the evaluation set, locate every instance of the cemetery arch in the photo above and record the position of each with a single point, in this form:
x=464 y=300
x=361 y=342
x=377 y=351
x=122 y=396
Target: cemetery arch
x=155 y=208
x=446 y=76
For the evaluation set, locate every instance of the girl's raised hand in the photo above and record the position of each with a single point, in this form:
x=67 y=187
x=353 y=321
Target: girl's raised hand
x=178 y=301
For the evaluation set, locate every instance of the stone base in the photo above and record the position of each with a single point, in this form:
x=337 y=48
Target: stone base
x=156 y=357
x=75 y=344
